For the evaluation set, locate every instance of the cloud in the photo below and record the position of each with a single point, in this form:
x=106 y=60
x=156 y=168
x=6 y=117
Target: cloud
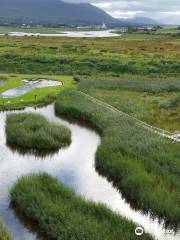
x=167 y=10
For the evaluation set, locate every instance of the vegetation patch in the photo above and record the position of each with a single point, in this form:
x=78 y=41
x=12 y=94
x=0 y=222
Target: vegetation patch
x=37 y=97
x=141 y=54
x=132 y=83
x=140 y=162
x=60 y=214
x=152 y=100
x=4 y=234
x=33 y=131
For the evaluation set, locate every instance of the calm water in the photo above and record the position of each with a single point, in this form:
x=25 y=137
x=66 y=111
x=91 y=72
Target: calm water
x=79 y=34
x=28 y=87
x=1 y=81
x=74 y=166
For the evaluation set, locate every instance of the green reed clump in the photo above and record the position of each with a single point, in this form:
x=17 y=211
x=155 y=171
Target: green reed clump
x=138 y=84
x=60 y=214
x=4 y=234
x=143 y=164
x=33 y=131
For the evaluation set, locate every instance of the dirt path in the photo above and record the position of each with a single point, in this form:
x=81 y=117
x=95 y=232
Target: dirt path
x=161 y=132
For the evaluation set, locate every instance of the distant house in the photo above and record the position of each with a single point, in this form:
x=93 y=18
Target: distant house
x=103 y=26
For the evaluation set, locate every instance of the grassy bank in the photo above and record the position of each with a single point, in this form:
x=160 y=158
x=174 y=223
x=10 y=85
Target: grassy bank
x=153 y=100
x=36 y=97
x=141 y=163
x=4 y=234
x=33 y=131
x=142 y=54
x=60 y=214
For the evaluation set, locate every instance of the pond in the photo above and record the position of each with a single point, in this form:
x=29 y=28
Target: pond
x=74 y=166
x=29 y=86
x=1 y=81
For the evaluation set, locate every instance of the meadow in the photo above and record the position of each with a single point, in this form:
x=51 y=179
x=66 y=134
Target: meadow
x=140 y=54
x=33 y=131
x=141 y=163
x=60 y=214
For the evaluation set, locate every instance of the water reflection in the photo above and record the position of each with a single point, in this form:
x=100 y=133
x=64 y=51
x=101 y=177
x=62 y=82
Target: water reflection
x=33 y=152
x=74 y=166
x=1 y=81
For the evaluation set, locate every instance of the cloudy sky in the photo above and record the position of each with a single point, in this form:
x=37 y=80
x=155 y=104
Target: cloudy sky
x=164 y=10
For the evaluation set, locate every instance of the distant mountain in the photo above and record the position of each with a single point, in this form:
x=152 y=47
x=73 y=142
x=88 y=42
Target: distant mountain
x=143 y=21
x=52 y=12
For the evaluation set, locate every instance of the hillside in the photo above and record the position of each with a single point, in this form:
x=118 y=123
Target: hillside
x=54 y=12
x=51 y=12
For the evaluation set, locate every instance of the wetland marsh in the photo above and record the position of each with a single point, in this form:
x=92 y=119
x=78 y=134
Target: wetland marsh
x=115 y=160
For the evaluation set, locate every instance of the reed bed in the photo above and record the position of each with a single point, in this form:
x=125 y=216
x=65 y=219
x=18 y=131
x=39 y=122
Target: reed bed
x=141 y=163
x=60 y=214
x=33 y=131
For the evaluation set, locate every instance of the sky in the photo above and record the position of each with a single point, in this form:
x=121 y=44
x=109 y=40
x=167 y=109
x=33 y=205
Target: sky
x=162 y=10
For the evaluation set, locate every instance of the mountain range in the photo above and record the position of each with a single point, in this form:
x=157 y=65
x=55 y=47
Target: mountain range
x=59 y=12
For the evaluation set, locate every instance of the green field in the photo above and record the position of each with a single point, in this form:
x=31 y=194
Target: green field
x=36 y=97
x=66 y=216
x=169 y=31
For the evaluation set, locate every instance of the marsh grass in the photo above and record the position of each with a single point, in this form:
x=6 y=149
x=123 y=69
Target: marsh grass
x=33 y=131
x=132 y=83
x=4 y=234
x=152 y=100
x=140 y=54
x=144 y=165
x=60 y=214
